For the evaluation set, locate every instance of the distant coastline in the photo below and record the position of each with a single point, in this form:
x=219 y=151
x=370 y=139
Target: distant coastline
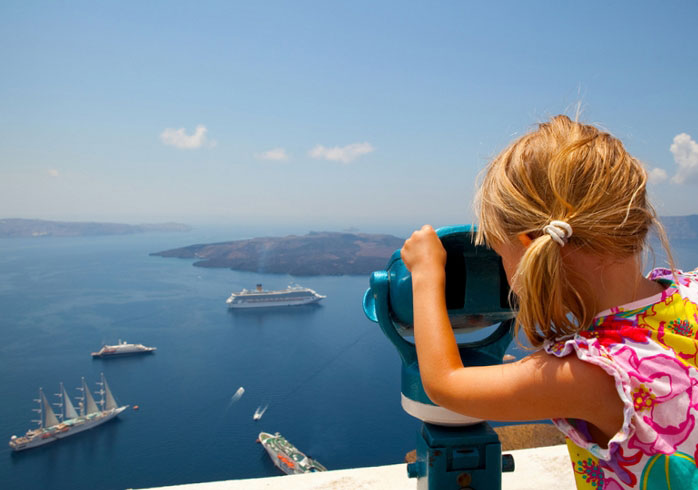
x=26 y=228
x=333 y=253
x=317 y=253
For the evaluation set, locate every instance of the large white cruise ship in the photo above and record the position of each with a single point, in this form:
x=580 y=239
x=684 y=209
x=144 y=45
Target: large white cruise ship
x=259 y=298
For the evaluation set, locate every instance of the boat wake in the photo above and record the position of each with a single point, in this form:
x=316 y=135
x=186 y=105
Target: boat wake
x=238 y=394
x=259 y=412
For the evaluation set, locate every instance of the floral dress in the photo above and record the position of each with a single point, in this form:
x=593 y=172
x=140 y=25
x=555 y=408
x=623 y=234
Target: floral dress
x=650 y=347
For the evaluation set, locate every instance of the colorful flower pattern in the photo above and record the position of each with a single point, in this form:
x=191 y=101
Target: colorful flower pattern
x=650 y=347
x=591 y=472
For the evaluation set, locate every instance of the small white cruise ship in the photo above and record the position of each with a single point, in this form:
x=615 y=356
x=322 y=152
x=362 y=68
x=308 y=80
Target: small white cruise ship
x=123 y=349
x=259 y=298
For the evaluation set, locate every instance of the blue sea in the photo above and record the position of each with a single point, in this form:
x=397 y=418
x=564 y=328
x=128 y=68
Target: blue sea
x=329 y=376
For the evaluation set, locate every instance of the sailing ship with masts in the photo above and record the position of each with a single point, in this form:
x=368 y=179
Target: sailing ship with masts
x=69 y=421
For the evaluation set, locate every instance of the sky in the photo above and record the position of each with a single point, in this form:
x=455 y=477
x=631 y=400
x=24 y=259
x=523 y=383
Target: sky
x=324 y=114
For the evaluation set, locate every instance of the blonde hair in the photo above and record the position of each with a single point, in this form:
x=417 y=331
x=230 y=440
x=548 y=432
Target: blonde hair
x=574 y=173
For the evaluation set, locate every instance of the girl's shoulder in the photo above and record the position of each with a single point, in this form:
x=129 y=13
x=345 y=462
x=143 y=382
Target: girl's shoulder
x=633 y=342
x=633 y=347
x=678 y=285
x=660 y=319
x=676 y=277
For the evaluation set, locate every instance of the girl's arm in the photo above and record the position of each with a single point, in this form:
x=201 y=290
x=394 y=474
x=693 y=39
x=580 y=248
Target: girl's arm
x=538 y=387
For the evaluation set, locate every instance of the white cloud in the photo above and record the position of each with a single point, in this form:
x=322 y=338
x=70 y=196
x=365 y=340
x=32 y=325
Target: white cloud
x=344 y=154
x=275 y=154
x=53 y=172
x=685 y=152
x=656 y=175
x=180 y=139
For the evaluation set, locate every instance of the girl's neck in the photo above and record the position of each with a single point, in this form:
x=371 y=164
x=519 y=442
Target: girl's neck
x=610 y=281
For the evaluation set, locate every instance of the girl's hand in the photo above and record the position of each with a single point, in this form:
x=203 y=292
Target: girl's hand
x=423 y=252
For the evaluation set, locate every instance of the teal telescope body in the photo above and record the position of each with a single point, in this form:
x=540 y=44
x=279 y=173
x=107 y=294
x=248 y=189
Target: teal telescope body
x=477 y=300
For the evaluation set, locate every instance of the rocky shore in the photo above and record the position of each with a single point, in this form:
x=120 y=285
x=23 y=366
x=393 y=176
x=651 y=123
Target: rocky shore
x=317 y=253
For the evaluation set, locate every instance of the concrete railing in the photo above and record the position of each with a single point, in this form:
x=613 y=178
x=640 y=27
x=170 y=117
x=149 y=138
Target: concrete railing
x=538 y=465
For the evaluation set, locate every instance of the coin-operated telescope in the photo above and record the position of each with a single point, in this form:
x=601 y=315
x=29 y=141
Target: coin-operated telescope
x=453 y=451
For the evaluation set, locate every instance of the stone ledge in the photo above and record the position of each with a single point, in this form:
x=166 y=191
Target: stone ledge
x=536 y=468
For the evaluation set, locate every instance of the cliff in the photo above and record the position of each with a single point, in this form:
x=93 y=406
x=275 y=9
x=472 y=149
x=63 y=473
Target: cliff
x=325 y=253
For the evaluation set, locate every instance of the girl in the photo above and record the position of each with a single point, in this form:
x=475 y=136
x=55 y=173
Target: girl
x=566 y=208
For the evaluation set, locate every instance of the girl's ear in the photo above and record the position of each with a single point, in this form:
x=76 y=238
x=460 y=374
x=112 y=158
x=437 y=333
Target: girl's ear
x=524 y=239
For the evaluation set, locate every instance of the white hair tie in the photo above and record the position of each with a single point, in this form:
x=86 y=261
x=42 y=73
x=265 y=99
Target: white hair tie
x=558 y=231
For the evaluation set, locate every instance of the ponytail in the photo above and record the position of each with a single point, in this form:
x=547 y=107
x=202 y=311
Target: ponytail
x=547 y=298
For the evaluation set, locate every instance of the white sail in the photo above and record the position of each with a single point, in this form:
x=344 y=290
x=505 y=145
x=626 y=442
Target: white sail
x=40 y=420
x=60 y=416
x=91 y=405
x=69 y=412
x=49 y=417
x=110 y=402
